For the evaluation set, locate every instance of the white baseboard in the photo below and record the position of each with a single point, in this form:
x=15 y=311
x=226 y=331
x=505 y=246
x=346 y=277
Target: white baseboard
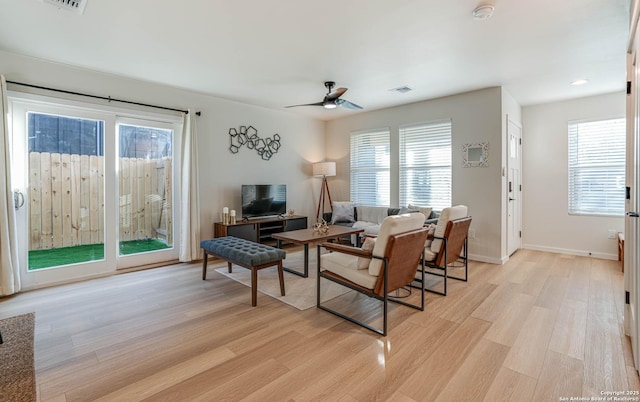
x=490 y=260
x=582 y=253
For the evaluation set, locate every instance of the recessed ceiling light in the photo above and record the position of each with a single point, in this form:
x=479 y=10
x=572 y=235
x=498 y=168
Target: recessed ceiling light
x=581 y=81
x=483 y=11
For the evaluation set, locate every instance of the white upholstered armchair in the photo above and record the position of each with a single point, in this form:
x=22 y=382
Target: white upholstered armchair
x=449 y=245
x=390 y=265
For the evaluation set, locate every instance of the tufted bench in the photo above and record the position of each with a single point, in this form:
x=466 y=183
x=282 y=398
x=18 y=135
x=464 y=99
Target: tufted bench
x=247 y=254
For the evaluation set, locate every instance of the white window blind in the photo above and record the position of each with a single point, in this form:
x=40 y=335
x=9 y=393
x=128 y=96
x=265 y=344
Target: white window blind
x=597 y=167
x=370 y=163
x=425 y=165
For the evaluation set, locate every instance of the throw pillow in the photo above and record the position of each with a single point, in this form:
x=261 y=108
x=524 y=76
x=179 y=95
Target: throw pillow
x=425 y=210
x=369 y=242
x=405 y=210
x=432 y=230
x=342 y=212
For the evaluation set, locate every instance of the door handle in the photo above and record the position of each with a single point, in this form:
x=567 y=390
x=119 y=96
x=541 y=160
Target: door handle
x=511 y=199
x=18 y=199
x=633 y=214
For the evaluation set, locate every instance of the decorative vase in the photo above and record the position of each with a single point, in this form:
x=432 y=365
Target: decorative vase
x=321 y=226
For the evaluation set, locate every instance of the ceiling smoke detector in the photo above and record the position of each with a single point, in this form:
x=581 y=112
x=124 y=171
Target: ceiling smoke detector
x=77 y=6
x=483 y=11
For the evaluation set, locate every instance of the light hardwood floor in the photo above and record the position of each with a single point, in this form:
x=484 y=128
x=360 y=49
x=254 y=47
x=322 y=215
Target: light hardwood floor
x=541 y=327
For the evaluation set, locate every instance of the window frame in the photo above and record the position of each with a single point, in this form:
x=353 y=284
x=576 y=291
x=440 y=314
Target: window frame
x=403 y=166
x=573 y=206
x=355 y=171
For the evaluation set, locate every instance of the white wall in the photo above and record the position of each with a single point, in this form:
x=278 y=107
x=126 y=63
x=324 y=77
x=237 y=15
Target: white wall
x=546 y=222
x=221 y=173
x=476 y=117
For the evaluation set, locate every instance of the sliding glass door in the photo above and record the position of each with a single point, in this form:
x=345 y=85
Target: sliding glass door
x=145 y=183
x=65 y=165
x=94 y=188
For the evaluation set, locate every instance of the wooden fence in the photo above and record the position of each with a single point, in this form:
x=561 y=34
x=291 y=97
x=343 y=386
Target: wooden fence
x=67 y=198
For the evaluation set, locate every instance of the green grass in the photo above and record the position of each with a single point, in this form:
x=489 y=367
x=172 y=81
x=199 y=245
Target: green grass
x=141 y=246
x=72 y=255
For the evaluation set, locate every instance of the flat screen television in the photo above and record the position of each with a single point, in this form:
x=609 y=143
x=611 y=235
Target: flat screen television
x=263 y=200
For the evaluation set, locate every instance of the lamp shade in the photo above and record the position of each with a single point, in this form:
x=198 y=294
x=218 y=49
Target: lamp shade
x=324 y=169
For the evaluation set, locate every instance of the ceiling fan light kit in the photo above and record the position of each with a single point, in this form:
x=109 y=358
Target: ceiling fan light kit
x=483 y=11
x=332 y=99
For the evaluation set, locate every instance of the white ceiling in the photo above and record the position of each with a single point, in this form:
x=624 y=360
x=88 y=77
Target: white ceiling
x=279 y=52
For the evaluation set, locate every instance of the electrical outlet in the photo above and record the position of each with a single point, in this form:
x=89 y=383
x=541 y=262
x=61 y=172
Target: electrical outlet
x=472 y=233
x=612 y=234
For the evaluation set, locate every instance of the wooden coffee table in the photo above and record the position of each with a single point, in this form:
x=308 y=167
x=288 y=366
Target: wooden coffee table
x=307 y=236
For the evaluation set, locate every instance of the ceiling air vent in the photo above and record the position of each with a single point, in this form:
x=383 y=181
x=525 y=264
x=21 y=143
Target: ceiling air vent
x=76 y=6
x=403 y=89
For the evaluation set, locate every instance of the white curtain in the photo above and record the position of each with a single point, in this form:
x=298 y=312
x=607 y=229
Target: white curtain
x=189 y=196
x=9 y=267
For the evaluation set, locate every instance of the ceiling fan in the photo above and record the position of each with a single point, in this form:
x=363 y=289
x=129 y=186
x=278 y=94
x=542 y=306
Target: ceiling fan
x=332 y=99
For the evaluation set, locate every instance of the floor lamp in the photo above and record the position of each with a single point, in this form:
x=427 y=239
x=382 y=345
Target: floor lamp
x=324 y=169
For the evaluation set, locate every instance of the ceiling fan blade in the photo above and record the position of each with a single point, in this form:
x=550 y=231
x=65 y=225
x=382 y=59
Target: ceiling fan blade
x=336 y=94
x=307 y=104
x=347 y=105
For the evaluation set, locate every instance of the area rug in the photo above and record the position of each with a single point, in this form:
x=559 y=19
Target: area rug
x=17 y=374
x=299 y=292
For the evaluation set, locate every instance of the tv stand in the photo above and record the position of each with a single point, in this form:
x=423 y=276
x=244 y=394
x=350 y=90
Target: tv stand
x=259 y=230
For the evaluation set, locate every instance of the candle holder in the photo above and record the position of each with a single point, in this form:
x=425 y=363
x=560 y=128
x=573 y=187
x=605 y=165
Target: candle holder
x=225 y=216
x=232 y=218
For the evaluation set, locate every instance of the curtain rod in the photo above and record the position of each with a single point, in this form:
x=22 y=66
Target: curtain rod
x=107 y=98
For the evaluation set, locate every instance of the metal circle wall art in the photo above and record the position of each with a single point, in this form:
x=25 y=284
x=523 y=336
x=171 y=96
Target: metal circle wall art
x=248 y=136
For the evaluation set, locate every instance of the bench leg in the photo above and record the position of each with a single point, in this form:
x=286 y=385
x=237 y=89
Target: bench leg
x=204 y=265
x=254 y=274
x=254 y=287
x=281 y=277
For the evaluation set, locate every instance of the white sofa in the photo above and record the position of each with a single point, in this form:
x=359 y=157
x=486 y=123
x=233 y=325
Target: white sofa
x=370 y=218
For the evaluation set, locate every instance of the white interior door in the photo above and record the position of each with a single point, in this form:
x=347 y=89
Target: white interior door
x=632 y=207
x=514 y=188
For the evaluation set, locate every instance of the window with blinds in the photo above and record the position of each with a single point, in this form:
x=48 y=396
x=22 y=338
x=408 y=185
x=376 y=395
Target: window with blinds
x=597 y=167
x=425 y=164
x=370 y=168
